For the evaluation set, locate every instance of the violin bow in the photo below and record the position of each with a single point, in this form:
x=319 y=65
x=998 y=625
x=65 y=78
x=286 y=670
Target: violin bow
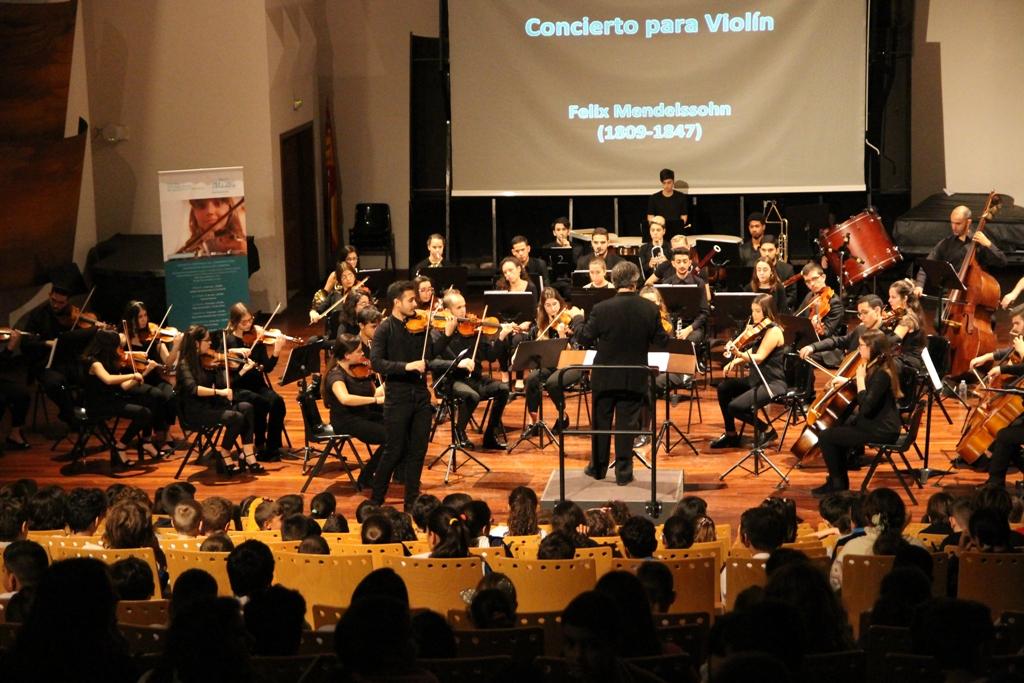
x=158 y=328
x=259 y=335
x=227 y=370
x=426 y=332
x=551 y=322
x=200 y=237
x=128 y=346
x=479 y=333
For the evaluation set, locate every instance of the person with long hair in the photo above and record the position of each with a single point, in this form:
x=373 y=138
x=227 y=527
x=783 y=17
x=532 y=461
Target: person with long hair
x=522 y=512
x=339 y=285
x=250 y=380
x=349 y=255
x=107 y=388
x=555 y=319
x=350 y=312
x=909 y=322
x=216 y=225
x=355 y=404
x=145 y=335
x=513 y=277
x=204 y=402
x=877 y=419
x=435 y=255
x=764 y=280
x=675 y=379
x=447 y=534
x=740 y=399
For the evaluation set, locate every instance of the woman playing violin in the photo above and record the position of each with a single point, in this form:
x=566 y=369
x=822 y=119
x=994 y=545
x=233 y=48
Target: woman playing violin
x=739 y=399
x=249 y=378
x=555 y=319
x=162 y=349
x=206 y=400
x=338 y=285
x=108 y=393
x=877 y=419
x=350 y=311
x=356 y=405
x=425 y=293
x=764 y=280
x=906 y=319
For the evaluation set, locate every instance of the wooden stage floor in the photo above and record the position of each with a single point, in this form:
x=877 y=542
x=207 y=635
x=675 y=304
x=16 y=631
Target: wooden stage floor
x=527 y=466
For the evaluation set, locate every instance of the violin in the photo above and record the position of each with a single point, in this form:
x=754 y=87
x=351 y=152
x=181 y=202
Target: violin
x=164 y=334
x=132 y=360
x=665 y=322
x=360 y=370
x=268 y=337
x=891 y=318
x=748 y=337
x=73 y=316
x=823 y=304
x=468 y=326
x=215 y=360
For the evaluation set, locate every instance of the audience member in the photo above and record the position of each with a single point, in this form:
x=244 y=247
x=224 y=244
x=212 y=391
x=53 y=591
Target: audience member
x=557 y=545
x=268 y=516
x=762 y=530
x=522 y=512
x=599 y=522
x=424 y=504
x=206 y=641
x=638 y=637
x=217 y=515
x=939 y=514
x=963 y=507
x=291 y=504
x=766 y=626
x=456 y=500
x=323 y=505
x=376 y=529
x=786 y=509
x=492 y=608
x=275 y=618
x=85 y=508
x=433 y=636
x=957 y=633
x=477 y=516
x=568 y=517
x=314 y=545
x=823 y=619
x=885 y=514
x=250 y=570
x=383 y=582
x=168 y=497
x=365 y=509
x=132 y=579
x=902 y=591
x=374 y=641
x=187 y=517
x=447 y=534
x=781 y=557
x=638 y=538
x=190 y=586
x=659 y=585
x=335 y=524
x=298 y=526
x=46 y=509
x=677 y=532
x=217 y=543
x=25 y=562
x=691 y=506
x=12 y=521
x=704 y=530
x=989 y=529
x=401 y=524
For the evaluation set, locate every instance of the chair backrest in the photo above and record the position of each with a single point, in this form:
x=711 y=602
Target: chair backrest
x=740 y=574
x=52 y=542
x=523 y=547
x=862 y=580
x=601 y=555
x=214 y=564
x=690 y=638
x=322 y=579
x=932 y=542
x=522 y=643
x=416 y=547
x=312 y=421
x=837 y=667
x=913 y=425
x=144 y=640
x=180 y=543
x=367 y=549
x=326 y=615
x=793 y=367
x=107 y=555
x=467 y=669
x=436 y=583
x=994 y=579
x=305 y=668
x=879 y=641
x=143 y=612
x=694 y=580
x=336 y=537
x=545 y=585
x=373 y=219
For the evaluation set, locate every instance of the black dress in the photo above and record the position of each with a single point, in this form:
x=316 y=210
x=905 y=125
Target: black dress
x=252 y=387
x=207 y=411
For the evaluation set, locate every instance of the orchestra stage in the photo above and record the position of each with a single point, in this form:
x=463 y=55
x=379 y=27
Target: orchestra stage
x=526 y=466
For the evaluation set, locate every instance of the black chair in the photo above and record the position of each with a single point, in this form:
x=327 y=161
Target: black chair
x=202 y=438
x=794 y=398
x=89 y=425
x=371 y=233
x=899 y=447
x=320 y=438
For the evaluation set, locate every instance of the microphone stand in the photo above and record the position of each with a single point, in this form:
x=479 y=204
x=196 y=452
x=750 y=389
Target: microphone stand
x=443 y=387
x=761 y=460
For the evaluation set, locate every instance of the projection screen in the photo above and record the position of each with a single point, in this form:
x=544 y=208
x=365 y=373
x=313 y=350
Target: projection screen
x=576 y=97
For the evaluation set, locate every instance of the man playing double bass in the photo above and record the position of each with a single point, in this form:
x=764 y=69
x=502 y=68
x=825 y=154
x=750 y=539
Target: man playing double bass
x=953 y=247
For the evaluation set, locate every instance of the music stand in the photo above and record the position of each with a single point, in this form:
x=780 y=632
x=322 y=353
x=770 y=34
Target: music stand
x=444 y=277
x=560 y=262
x=302 y=361
x=732 y=309
x=933 y=387
x=683 y=301
x=443 y=387
x=580 y=278
x=586 y=299
x=678 y=356
x=737 y=277
x=377 y=281
x=796 y=328
x=533 y=355
x=941 y=274
x=510 y=306
x=729 y=248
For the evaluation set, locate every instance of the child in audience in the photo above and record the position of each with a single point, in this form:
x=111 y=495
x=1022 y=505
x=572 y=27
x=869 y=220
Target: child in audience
x=447 y=534
x=659 y=585
x=704 y=530
x=522 y=512
x=45 y=510
x=132 y=579
x=637 y=535
x=599 y=522
x=250 y=570
x=217 y=543
x=86 y=508
x=186 y=518
x=568 y=518
x=25 y=562
x=335 y=524
x=939 y=514
x=786 y=509
x=678 y=532
x=364 y=510
x=218 y=513
x=275 y=618
x=762 y=530
x=477 y=516
x=12 y=521
x=376 y=529
x=291 y=504
x=268 y=516
x=323 y=505
x=314 y=545
x=557 y=545
x=424 y=504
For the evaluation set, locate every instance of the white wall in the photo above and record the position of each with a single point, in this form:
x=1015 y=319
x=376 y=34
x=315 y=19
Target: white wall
x=966 y=115
x=371 y=102
x=190 y=80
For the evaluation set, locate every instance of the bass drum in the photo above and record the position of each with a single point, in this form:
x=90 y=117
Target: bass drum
x=859 y=248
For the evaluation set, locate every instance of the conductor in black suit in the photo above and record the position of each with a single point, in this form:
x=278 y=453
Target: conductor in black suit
x=622 y=329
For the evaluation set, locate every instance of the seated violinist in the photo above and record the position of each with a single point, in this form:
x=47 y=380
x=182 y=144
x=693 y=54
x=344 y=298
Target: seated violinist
x=470 y=386
x=598 y=275
x=906 y=319
x=249 y=379
x=682 y=274
x=327 y=302
x=763 y=344
x=1005 y=447
x=206 y=400
x=877 y=419
x=159 y=345
x=355 y=404
x=426 y=295
x=555 y=319
x=829 y=351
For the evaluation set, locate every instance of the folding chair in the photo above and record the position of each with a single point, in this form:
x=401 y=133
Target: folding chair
x=321 y=439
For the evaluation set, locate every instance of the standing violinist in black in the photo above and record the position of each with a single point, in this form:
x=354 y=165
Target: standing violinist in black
x=877 y=419
x=740 y=399
x=400 y=356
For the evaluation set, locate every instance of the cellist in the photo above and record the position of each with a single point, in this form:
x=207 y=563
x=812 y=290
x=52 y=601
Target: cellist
x=953 y=247
x=1005 y=448
x=869 y=311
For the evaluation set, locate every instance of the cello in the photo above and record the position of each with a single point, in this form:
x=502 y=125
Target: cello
x=832 y=408
x=992 y=413
x=967 y=319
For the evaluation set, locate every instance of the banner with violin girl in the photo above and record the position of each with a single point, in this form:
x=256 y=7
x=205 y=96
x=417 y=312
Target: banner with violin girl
x=202 y=215
x=252 y=352
x=761 y=348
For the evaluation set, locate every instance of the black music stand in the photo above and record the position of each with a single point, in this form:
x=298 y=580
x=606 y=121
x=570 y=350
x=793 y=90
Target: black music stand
x=682 y=359
x=580 y=278
x=737 y=277
x=933 y=387
x=732 y=309
x=797 y=328
x=508 y=307
x=560 y=262
x=941 y=275
x=682 y=301
x=762 y=463
x=533 y=355
x=443 y=387
x=444 y=277
x=302 y=361
x=377 y=281
x=586 y=299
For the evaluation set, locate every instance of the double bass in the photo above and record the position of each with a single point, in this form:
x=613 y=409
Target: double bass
x=966 y=322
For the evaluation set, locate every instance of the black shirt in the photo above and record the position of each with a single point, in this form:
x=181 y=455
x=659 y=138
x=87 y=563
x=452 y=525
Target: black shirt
x=700 y=321
x=253 y=379
x=610 y=259
x=425 y=265
x=877 y=414
x=356 y=387
x=953 y=250
x=394 y=346
x=669 y=208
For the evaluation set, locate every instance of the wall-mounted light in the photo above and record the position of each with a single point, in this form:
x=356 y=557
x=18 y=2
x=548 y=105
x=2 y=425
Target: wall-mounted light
x=296 y=103
x=114 y=132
